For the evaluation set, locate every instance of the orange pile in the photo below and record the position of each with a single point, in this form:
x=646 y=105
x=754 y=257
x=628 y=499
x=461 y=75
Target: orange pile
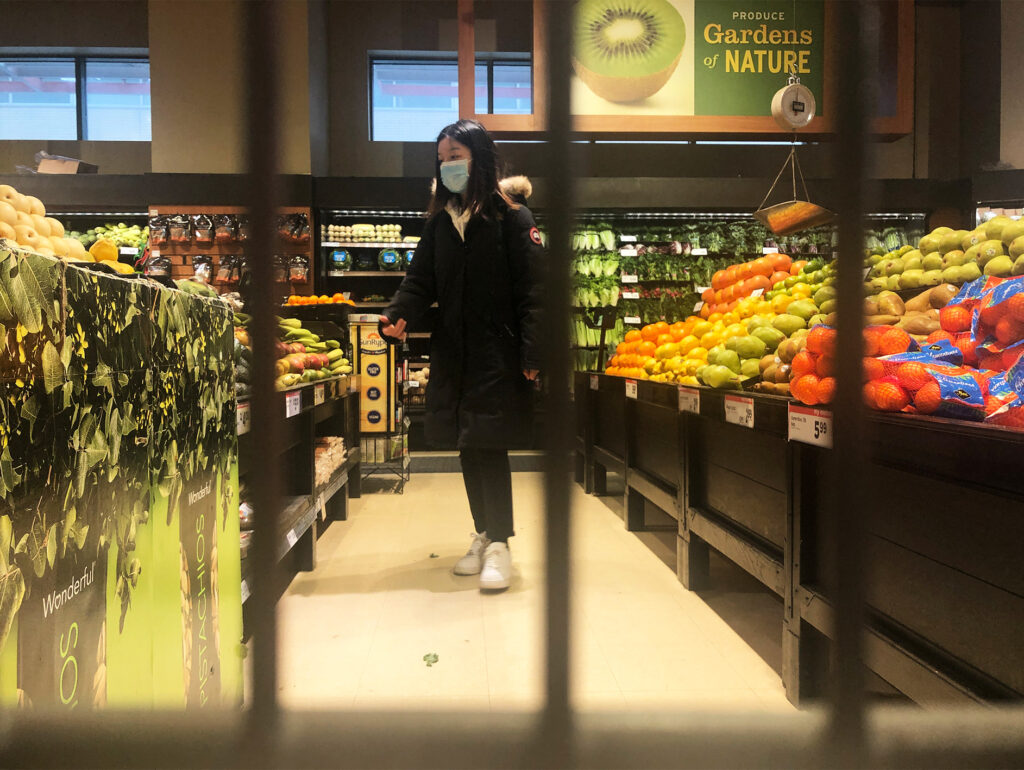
x=323 y=299
x=734 y=283
x=813 y=368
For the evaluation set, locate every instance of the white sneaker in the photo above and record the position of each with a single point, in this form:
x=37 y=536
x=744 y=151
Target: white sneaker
x=497 y=568
x=471 y=563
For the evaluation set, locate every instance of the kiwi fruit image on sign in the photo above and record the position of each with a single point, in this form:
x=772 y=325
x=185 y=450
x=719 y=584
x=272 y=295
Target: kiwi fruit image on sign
x=626 y=50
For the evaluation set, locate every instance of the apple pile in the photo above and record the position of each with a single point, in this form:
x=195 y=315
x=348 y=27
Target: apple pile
x=23 y=221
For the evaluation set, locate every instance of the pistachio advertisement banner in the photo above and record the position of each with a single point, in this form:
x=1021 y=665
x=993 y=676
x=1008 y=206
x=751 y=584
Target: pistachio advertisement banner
x=116 y=418
x=693 y=57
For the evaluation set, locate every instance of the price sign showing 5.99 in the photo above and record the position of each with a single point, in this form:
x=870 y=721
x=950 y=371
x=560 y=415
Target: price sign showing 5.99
x=810 y=426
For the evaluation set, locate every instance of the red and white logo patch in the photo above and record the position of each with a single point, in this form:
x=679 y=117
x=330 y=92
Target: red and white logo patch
x=535 y=235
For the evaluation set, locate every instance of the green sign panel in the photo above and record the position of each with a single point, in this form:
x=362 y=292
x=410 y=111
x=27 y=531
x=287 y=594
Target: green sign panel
x=744 y=51
x=120 y=582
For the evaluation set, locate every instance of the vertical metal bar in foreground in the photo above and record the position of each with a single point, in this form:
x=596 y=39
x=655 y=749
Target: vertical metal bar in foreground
x=846 y=543
x=557 y=408
x=267 y=417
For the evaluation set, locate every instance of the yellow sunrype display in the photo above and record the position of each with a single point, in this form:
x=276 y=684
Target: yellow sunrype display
x=375 y=363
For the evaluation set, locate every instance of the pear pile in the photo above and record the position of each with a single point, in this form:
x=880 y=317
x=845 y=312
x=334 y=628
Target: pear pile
x=23 y=222
x=947 y=256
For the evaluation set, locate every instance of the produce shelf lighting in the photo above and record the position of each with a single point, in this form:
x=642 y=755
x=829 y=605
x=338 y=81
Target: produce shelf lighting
x=98 y=214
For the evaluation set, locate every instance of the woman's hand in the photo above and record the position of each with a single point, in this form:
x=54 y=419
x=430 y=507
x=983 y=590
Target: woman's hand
x=531 y=374
x=395 y=330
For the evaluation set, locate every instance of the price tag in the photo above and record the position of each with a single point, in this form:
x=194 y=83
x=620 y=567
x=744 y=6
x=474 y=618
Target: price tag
x=630 y=388
x=627 y=238
x=246 y=593
x=739 y=411
x=757 y=292
x=631 y=295
x=632 y=319
x=243 y=419
x=698 y=307
x=330 y=243
x=154 y=213
x=318 y=395
x=867 y=272
x=292 y=538
x=701 y=289
x=689 y=400
x=292 y=404
x=335 y=274
x=595 y=382
x=128 y=251
x=627 y=252
x=699 y=252
x=321 y=507
x=154 y=253
x=770 y=250
x=810 y=426
x=630 y=278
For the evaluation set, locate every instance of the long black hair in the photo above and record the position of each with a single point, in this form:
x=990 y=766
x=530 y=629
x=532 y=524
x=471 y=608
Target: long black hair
x=484 y=173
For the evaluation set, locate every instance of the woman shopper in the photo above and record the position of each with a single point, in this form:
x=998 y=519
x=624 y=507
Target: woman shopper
x=478 y=259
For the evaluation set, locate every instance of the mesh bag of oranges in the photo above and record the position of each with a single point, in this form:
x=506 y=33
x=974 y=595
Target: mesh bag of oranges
x=1005 y=403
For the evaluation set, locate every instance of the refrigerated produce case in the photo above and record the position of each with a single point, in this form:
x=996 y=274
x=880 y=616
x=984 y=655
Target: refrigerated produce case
x=654 y=265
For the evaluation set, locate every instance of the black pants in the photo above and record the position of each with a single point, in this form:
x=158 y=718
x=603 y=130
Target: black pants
x=488 y=480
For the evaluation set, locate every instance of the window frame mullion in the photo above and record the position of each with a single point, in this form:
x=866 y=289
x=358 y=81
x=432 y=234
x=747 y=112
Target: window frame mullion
x=80 y=105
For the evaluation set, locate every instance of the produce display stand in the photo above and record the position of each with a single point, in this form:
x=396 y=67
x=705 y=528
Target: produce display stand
x=945 y=590
x=181 y=254
x=326 y=408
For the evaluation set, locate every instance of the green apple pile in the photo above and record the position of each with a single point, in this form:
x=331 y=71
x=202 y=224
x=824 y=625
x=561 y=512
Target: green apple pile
x=947 y=256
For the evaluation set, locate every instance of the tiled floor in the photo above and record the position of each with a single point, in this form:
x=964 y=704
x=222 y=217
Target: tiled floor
x=354 y=632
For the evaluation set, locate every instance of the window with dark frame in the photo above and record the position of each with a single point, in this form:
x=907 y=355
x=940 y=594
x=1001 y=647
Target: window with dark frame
x=413 y=96
x=75 y=98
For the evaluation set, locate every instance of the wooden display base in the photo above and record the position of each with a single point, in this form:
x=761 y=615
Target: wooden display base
x=944 y=587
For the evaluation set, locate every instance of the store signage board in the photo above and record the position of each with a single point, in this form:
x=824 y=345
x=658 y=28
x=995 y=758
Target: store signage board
x=631 y=389
x=319 y=395
x=595 y=382
x=739 y=411
x=810 y=426
x=243 y=419
x=699 y=252
x=731 y=59
x=630 y=278
x=630 y=295
x=689 y=400
x=292 y=404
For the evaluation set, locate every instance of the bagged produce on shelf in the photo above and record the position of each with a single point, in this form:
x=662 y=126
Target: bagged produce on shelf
x=225 y=228
x=202 y=230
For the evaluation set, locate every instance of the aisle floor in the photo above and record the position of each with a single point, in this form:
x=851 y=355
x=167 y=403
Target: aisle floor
x=353 y=633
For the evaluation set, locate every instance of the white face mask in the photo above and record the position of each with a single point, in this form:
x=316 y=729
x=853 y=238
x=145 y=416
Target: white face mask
x=455 y=175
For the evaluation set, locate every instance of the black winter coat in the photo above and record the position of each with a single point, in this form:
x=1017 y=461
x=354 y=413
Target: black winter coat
x=488 y=293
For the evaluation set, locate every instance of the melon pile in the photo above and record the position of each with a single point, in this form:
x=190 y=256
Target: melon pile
x=23 y=221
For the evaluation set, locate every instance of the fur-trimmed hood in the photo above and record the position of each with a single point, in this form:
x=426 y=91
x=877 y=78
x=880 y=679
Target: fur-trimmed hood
x=519 y=188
